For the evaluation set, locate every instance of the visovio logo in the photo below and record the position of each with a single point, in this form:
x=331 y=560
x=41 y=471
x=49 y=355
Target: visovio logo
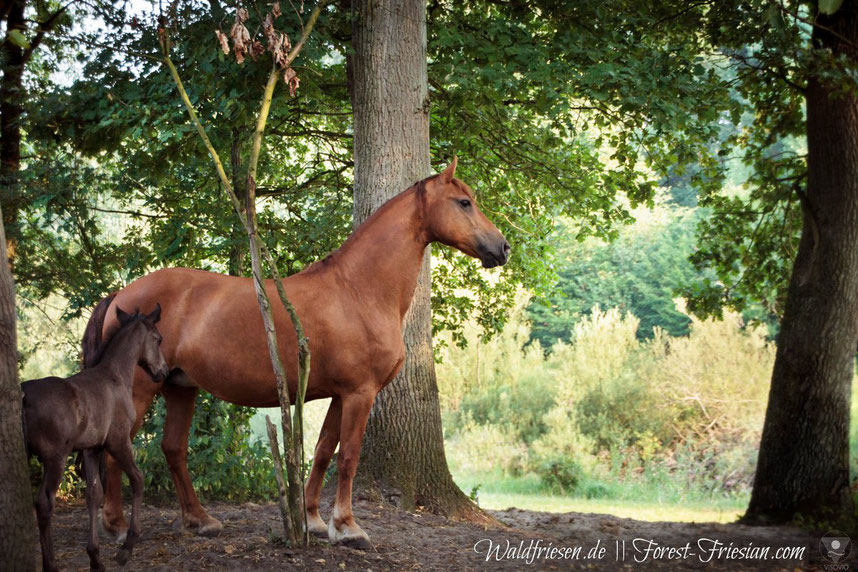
x=836 y=547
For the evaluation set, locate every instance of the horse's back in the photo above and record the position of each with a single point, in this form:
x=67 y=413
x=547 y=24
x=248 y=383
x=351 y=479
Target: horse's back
x=213 y=332
x=211 y=327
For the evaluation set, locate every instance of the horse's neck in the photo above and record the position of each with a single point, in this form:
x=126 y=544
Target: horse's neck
x=382 y=259
x=121 y=355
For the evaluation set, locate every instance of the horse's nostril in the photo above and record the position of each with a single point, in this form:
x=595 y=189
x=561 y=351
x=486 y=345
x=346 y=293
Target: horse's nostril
x=506 y=248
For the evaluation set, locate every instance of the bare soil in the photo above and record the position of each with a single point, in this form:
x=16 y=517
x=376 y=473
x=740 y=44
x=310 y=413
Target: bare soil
x=252 y=540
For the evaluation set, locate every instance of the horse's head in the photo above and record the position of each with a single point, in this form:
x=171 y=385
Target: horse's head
x=452 y=218
x=151 y=359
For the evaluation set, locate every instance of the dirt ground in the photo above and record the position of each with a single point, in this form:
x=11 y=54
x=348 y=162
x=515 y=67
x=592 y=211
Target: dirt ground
x=252 y=540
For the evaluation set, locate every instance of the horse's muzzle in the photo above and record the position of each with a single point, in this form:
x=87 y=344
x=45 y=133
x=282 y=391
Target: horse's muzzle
x=160 y=375
x=495 y=254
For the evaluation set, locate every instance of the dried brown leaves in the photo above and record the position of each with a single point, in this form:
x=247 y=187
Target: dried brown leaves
x=223 y=41
x=292 y=80
x=277 y=44
x=240 y=36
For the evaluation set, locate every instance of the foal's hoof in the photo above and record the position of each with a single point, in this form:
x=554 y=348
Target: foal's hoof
x=122 y=556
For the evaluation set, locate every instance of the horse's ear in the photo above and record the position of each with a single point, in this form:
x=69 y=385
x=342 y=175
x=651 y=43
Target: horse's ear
x=447 y=174
x=155 y=315
x=123 y=317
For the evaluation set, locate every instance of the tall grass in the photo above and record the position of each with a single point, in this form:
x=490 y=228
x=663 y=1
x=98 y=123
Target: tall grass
x=671 y=419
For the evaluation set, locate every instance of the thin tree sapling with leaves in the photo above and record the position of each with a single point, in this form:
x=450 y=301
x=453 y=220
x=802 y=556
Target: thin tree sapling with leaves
x=283 y=54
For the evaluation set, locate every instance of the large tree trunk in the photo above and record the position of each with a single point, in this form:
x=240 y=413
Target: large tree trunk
x=13 y=59
x=803 y=465
x=403 y=451
x=17 y=527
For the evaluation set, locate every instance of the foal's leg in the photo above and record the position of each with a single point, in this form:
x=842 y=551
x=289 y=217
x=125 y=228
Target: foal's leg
x=94 y=496
x=342 y=527
x=45 y=501
x=328 y=439
x=124 y=456
x=112 y=519
x=177 y=426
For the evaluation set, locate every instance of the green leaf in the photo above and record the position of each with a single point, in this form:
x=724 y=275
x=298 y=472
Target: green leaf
x=829 y=7
x=17 y=38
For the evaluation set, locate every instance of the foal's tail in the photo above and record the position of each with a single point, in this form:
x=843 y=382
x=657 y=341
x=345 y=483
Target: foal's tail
x=92 y=345
x=80 y=467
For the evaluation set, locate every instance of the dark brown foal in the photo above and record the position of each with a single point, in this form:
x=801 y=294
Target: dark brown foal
x=92 y=412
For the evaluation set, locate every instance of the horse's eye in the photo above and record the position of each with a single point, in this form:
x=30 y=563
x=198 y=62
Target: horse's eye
x=465 y=203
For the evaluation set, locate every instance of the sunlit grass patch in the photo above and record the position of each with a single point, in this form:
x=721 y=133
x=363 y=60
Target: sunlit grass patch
x=636 y=501
x=722 y=511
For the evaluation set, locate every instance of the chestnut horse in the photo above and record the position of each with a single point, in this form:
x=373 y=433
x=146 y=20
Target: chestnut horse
x=352 y=305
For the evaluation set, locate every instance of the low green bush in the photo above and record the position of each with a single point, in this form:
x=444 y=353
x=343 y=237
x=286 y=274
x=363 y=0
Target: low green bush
x=560 y=473
x=225 y=463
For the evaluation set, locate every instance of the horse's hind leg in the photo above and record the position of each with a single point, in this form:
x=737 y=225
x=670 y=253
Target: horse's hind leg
x=328 y=439
x=124 y=456
x=45 y=501
x=180 y=411
x=112 y=519
x=94 y=496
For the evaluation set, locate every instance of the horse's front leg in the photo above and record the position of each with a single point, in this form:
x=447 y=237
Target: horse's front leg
x=328 y=439
x=94 y=496
x=342 y=528
x=112 y=520
x=177 y=426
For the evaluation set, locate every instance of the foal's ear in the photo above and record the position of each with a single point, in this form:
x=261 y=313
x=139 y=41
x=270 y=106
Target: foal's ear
x=447 y=174
x=155 y=315
x=123 y=317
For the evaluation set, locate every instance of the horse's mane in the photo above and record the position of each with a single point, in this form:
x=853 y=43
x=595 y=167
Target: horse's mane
x=99 y=345
x=420 y=190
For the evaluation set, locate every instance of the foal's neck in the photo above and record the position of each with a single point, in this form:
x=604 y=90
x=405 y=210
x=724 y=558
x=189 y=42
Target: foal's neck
x=121 y=354
x=382 y=259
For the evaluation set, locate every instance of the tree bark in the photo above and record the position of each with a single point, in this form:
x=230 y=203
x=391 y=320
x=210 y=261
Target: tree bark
x=11 y=109
x=17 y=526
x=403 y=450
x=803 y=466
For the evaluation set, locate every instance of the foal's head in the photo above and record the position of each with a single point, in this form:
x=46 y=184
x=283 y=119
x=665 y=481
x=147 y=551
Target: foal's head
x=141 y=329
x=452 y=218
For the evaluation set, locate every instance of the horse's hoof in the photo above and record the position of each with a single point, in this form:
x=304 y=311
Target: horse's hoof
x=356 y=542
x=210 y=527
x=316 y=526
x=351 y=535
x=114 y=534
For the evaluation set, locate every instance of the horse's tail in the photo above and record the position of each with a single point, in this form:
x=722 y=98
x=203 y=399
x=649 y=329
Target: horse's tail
x=92 y=344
